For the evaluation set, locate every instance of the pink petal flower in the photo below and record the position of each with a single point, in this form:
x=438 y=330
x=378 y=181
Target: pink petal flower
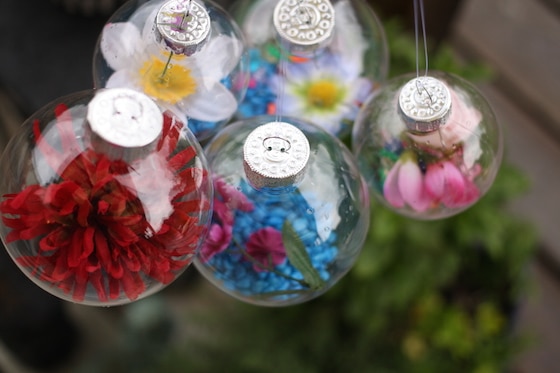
x=265 y=246
x=446 y=183
x=217 y=241
x=470 y=195
x=223 y=212
x=411 y=186
x=234 y=198
x=391 y=189
x=454 y=185
x=434 y=180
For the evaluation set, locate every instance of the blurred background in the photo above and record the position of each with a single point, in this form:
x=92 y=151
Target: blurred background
x=510 y=49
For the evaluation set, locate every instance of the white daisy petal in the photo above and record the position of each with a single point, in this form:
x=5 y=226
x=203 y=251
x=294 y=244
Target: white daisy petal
x=348 y=40
x=120 y=42
x=218 y=58
x=120 y=79
x=145 y=15
x=258 y=25
x=212 y=105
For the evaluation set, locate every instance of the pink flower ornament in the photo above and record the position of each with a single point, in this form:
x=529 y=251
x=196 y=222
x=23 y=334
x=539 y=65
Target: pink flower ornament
x=445 y=183
x=404 y=185
x=442 y=183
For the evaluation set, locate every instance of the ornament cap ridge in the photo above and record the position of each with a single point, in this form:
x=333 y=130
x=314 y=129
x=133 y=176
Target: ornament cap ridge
x=424 y=104
x=182 y=26
x=275 y=155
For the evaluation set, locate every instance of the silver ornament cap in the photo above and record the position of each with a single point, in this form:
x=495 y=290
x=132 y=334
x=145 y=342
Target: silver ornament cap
x=124 y=123
x=183 y=26
x=304 y=25
x=425 y=104
x=275 y=155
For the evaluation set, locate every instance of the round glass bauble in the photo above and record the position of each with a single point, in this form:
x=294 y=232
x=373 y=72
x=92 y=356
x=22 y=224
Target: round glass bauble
x=105 y=199
x=313 y=59
x=188 y=55
x=291 y=211
x=429 y=147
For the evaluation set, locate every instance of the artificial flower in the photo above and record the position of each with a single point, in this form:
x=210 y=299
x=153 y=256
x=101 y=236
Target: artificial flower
x=219 y=238
x=266 y=249
x=404 y=185
x=446 y=183
x=327 y=91
x=233 y=198
x=92 y=226
x=189 y=86
x=227 y=199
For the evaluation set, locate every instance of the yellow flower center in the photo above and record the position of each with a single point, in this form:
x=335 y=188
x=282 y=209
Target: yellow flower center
x=323 y=94
x=166 y=81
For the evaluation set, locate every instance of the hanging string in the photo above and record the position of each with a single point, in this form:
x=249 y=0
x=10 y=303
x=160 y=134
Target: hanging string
x=180 y=27
x=419 y=18
x=301 y=10
x=281 y=82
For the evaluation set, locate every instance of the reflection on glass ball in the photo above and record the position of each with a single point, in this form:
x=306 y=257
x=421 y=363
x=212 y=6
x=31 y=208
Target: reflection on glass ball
x=105 y=200
x=189 y=56
x=429 y=148
x=291 y=211
x=317 y=60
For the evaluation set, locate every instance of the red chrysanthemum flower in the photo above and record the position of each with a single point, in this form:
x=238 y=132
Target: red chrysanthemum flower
x=92 y=226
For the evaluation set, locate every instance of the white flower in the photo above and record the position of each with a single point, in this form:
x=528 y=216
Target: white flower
x=327 y=91
x=189 y=86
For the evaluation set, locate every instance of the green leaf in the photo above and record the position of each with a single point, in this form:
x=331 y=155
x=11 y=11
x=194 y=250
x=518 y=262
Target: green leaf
x=297 y=254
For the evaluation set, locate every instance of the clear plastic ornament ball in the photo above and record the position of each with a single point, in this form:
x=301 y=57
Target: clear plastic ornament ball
x=429 y=147
x=104 y=198
x=291 y=211
x=312 y=59
x=188 y=55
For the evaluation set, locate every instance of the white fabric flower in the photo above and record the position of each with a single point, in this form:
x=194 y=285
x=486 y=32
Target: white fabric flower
x=327 y=91
x=189 y=86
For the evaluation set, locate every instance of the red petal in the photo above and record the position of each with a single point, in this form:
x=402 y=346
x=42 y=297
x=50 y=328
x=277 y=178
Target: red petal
x=96 y=280
x=75 y=248
x=102 y=249
x=181 y=159
x=114 y=288
x=132 y=285
x=88 y=242
x=60 y=270
x=56 y=239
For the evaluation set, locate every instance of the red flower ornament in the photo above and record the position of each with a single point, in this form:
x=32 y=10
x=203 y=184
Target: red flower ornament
x=102 y=230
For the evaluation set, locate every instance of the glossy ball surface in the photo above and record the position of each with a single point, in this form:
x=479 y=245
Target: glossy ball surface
x=283 y=245
x=95 y=223
x=434 y=174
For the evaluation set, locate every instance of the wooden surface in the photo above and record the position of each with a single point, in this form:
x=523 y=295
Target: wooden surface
x=520 y=39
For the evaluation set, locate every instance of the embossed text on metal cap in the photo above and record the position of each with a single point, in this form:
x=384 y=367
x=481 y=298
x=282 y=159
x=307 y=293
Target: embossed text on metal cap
x=425 y=104
x=304 y=23
x=183 y=26
x=275 y=155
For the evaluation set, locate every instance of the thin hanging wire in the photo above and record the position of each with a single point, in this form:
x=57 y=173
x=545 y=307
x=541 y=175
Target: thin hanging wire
x=419 y=18
x=171 y=53
x=304 y=13
x=281 y=86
